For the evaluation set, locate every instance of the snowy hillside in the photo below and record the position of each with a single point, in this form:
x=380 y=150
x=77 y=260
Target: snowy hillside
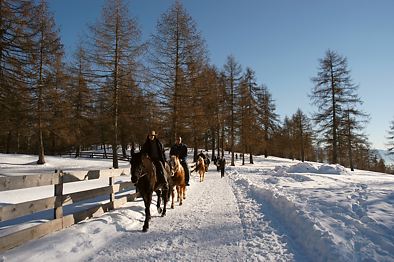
x=273 y=210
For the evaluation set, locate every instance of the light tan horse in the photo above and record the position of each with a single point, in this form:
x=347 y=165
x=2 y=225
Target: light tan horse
x=201 y=168
x=178 y=180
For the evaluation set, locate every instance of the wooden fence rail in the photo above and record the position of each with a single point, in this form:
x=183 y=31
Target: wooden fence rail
x=59 y=200
x=94 y=154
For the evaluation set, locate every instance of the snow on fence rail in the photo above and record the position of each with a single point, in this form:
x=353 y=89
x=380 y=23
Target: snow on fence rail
x=58 y=201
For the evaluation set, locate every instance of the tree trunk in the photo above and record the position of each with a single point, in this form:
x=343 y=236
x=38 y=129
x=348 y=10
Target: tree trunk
x=213 y=134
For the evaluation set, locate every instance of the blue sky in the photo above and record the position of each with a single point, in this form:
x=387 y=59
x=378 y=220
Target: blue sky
x=282 y=41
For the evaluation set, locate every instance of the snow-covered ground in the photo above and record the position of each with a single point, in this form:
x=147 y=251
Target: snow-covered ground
x=273 y=210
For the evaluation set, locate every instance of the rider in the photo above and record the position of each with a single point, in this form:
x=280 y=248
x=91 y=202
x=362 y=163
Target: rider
x=202 y=155
x=180 y=150
x=154 y=148
x=206 y=159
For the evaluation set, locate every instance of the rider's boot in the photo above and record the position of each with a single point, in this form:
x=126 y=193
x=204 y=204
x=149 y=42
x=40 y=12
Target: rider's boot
x=187 y=173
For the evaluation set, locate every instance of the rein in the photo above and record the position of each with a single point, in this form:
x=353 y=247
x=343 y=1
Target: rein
x=141 y=171
x=175 y=167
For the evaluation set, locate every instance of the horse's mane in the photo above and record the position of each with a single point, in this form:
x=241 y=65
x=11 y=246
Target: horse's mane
x=147 y=162
x=176 y=161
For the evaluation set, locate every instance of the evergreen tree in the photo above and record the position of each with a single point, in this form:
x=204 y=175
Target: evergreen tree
x=56 y=106
x=248 y=106
x=285 y=146
x=115 y=50
x=244 y=118
x=80 y=99
x=332 y=93
x=267 y=119
x=303 y=133
x=197 y=118
x=390 y=138
x=213 y=102
x=222 y=116
x=135 y=113
x=44 y=56
x=232 y=72
x=352 y=124
x=177 y=55
x=16 y=36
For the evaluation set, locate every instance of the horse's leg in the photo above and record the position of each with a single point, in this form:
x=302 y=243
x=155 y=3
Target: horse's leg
x=184 y=191
x=180 y=197
x=165 y=200
x=147 y=202
x=172 y=198
x=159 y=194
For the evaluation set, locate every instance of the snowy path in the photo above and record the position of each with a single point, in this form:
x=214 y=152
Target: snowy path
x=273 y=210
x=212 y=225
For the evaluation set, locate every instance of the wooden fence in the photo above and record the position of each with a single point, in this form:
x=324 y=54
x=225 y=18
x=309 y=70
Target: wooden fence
x=59 y=200
x=94 y=154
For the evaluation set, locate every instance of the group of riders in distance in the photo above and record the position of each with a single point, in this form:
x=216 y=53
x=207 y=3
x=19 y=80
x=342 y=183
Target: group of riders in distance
x=150 y=172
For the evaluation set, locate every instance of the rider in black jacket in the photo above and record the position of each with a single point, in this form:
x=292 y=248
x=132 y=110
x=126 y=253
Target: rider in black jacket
x=154 y=148
x=179 y=149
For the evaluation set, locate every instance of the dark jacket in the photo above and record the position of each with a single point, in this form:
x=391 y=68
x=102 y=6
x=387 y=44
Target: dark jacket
x=154 y=149
x=179 y=150
x=202 y=155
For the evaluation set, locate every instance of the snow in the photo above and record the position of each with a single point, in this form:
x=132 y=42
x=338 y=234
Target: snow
x=273 y=210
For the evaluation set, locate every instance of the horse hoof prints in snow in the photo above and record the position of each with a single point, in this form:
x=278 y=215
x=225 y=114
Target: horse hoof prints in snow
x=143 y=175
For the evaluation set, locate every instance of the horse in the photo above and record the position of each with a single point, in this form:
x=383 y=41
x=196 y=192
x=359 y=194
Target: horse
x=201 y=168
x=178 y=180
x=143 y=175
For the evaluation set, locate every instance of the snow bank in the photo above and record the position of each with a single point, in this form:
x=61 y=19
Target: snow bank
x=293 y=174
x=309 y=168
x=317 y=243
x=333 y=170
x=302 y=168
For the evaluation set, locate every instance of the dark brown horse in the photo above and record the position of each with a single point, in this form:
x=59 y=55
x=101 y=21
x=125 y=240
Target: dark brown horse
x=143 y=175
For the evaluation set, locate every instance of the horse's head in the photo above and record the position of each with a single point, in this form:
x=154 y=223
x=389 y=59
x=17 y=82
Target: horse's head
x=136 y=167
x=173 y=163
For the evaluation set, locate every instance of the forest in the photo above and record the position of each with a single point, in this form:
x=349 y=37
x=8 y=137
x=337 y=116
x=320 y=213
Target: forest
x=117 y=87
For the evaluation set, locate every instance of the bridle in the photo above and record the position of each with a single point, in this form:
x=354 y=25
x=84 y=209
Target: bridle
x=138 y=172
x=173 y=166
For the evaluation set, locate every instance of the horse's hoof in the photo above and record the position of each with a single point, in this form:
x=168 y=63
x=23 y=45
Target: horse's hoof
x=144 y=229
x=163 y=215
x=159 y=210
x=180 y=204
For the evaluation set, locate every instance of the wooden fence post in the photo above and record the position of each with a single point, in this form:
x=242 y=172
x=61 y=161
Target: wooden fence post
x=58 y=210
x=112 y=195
